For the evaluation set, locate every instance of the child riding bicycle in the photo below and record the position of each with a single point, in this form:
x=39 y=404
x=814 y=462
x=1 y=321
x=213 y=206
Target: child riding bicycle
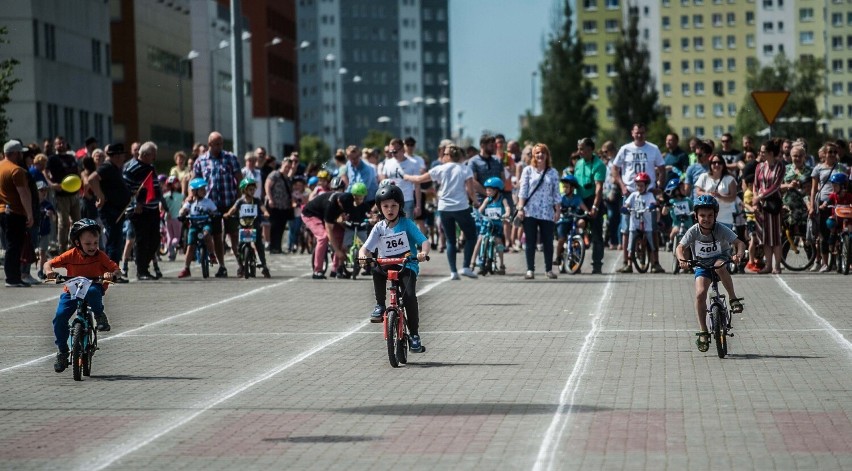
x=709 y=240
x=395 y=236
x=679 y=206
x=251 y=207
x=85 y=260
x=493 y=209
x=642 y=202
x=570 y=204
x=197 y=205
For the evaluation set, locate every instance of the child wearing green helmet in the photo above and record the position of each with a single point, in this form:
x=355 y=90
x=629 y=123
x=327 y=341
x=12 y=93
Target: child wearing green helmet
x=250 y=207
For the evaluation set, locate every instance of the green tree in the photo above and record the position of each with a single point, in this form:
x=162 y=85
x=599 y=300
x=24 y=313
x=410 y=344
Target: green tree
x=567 y=114
x=313 y=149
x=634 y=98
x=7 y=83
x=803 y=78
x=377 y=139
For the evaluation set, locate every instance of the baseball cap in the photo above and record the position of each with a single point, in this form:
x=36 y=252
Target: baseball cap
x=13 y=145
x=115 y=149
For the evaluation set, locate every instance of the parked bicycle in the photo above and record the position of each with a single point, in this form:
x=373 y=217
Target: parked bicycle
x=83 y=341
x=718 y=314
x=394 y=323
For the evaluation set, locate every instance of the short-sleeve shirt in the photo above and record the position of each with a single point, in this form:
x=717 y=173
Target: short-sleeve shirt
x=60 y=166
x=78 y=264
x=415 y=238
x=256 y=176
x=484 y=168
x=202 y=207
x=257 y=209
x=451 y=178
x=135 y=173
x=703 y=245
x=639 y=201
x=363 y=173
x=174 y=201
x=219 y=172
x=681 y=210
x=587 y=173
x=408 y=166
x=569 y=204
x=822 y=173
x=114 y=188
x=632 y=160
x=12 y=176
x=679 y=162
x=726 y=185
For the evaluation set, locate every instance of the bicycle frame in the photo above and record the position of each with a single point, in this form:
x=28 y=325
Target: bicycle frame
x=717 y=300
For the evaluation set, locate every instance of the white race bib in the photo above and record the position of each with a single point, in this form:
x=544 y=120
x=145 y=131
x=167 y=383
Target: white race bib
x=248 y=211
x=393 y=245
x=681 y=208
x=708 y=249
x=493 y=213
x=78 y=286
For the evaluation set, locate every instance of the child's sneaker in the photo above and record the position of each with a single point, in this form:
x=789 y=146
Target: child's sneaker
x=61 y=362
x=103 y=322
x=414 y=344
x=377 y=314
x=184 y=273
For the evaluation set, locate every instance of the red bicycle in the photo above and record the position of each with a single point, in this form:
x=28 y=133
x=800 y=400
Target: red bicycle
x=394 y=323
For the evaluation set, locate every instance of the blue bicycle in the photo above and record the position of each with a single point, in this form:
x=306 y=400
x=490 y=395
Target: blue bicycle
x=572 y=251
x=202 y=256
x=83 y=341
x=489 y=249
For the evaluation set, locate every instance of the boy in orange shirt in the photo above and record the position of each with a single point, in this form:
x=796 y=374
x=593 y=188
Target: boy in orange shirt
x=85 y=260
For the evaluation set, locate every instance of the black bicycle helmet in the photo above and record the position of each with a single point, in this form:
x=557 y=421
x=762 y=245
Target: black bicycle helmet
x=337 y=184
x=390 y=192
x=83 y=225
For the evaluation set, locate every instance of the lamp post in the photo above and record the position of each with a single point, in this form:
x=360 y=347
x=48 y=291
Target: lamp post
x=402 y=104
x=532 y=88
x=223 y=44
x=445 y=118
x=330 y=61
x=185 y=60
x=237 y=93
x=275 y=41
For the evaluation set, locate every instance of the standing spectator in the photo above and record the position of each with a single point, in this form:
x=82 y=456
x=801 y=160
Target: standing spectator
x=221 y=169
x=410 y=148
x=398 y=164
x=538 y=208
x=796 y=188
x=748 y=144
x=111 y=198
x=718 y=183
x=357 y=170
x=613 y=197
x=767 y=202
x=252 y=171
x=703 y=149
x=820 y=190
x=88 y=149
x=632 y=159
x=28 y=255
x=88 y=209
x=279 y=201
x=16 y=210
x=732 y=156
x=455 y=190
x=59 y=166
x=485 y=165
x=47 y=147
x=590 y=173
x=144 y=210
x=180 y=170
x=38 y=168
x=675 y=158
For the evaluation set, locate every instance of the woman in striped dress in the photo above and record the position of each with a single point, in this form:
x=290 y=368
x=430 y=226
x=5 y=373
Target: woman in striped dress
x=769 y=175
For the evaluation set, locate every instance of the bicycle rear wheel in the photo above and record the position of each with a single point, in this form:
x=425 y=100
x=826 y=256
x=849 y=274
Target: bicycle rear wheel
x=393 y=334
x=845 y=253
x=575 y=254
x=77 y=351
x=718 y=319
x=639 y=256
x=799 y=256
x=204 y=260
x=247 y=256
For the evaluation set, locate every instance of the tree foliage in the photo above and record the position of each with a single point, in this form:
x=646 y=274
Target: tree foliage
x=7 y=83
x=634 y=98
x=377 y=139
x=567 y=114
x=803 y=78
x=313 y=149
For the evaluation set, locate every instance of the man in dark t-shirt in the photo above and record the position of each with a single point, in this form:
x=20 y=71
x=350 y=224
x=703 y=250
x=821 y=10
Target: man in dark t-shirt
x=60 y=165
x=112 y=196
x=321 y=215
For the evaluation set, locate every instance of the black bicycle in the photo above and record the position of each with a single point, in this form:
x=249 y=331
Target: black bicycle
x=84 y=336
x=718 y=315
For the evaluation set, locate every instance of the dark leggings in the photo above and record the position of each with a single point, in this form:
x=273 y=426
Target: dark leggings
x=824 y=232
x=532 y=226
x=408 y=289
x=466 y=224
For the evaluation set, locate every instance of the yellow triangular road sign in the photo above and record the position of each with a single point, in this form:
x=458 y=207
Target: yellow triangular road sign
x=770 y=103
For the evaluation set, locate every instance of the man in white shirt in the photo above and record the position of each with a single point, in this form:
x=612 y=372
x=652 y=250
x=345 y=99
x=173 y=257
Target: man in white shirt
x=396 y=165
x=632 y=159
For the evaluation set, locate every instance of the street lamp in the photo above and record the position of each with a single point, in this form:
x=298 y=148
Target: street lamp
x=184 y=60
x=275 y=41
x=532 y=87
x=402 y=104
x=383 y=120
x=223 y=44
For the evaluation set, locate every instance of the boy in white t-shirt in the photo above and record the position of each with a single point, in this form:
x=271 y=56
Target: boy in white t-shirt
x=639 y=208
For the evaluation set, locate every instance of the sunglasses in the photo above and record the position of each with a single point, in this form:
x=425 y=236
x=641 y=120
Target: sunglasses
x=716 y=162
x=392 y=151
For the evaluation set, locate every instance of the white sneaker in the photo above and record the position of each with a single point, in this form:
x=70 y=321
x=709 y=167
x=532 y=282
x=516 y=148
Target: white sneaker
x=454 y=276
x=466 y=271
x=816 y=267
x=825 y=268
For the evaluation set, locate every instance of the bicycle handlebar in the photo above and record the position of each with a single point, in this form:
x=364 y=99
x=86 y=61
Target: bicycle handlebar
x=59 y=279
x=707 y=263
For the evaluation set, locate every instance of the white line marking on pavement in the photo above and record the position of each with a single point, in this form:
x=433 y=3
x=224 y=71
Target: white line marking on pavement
x=12 y=308
x=110 y=455
x=167 y=319
x=838 y=337
x=550 y=443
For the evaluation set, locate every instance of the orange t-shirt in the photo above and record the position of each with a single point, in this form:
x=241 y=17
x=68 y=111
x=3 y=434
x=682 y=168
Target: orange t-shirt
x=79 y=265
x=12 y=176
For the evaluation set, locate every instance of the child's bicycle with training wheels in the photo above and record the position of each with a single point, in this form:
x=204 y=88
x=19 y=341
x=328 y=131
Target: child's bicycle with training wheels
x=351 y=268
x=83 y=340
x=394 y=322
x=718 y=314
x=640 y=254
x=575 y=247
x=488 y=249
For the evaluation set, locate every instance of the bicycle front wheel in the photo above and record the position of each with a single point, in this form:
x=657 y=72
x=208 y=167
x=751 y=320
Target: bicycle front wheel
x=675 y=262
x=846 y=253
x=575 y=254
x=247 y=256
x=718 y=319
x=402 y=342
x=800 y=255
x=640 y=257
x=392 y=336
x=77 y=350
x=204 y=260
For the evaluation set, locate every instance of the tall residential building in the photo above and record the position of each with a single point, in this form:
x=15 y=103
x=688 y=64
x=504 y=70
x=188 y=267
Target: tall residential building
x=701 y=50
x=64 y=70
x=374 y=64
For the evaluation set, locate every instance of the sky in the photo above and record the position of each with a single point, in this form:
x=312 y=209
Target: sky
x=495 y=45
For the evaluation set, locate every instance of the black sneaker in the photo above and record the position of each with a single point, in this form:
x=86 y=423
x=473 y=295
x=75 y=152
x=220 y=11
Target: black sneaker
x=265 y=272
x=145 y=276
x=103 y=322
x=120 y=279
x=378 y=313
x=318 y=276
x=343 y=275
x=157 y=273
x=17 y=284
x=222 y=273
x=61 y=362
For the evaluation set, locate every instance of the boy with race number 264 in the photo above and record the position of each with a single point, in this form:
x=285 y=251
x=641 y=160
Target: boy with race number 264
x=395 y=236
x=709 y=240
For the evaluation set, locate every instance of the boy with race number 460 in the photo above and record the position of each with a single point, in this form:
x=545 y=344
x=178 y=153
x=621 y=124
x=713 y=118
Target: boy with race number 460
x=396 y=236
x=709 y=240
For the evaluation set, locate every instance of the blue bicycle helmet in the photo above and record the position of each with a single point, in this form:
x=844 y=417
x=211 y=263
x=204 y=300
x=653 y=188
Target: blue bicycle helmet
x=705 y=201
x=672 y=185
x=570 y=179
x=839 y=178
x=313 y=181
x=494 y=182
x=197 y=183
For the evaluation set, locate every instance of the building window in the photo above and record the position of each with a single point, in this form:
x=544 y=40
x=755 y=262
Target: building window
x=590 y=70
x=611 y=26
x=806 y=14
x=667 y=45
x=699 y=66
x=837 y=66
x=768 y=27
x=768 y=50
x=732 y=41
x=684 y=44
x=612 y=4
x=698 y=21
x=590 y=49
x=590 y=4
x=718 y=65
x=732 y=109
x=732 y=19
x=52 y=120
x=610 y=48
x=667 y=110
x=84 y=125
x=685 y=110
x=767 y=4
x=35 y=41
x=699 y=130
x=732 y=87
x=39 y=119
x=684 y=89
x=698 y=43
x=732 y=64
x=667 y=67
x=837 y=111
x=750 y=41
x=780 y=26
x=686 y=132
x=684 y=21
x=837 y=19
x=667 y=89
x=749 y=17
x=96 y=56
x=717 y=42
x=837 y=42
x=699 y=88
x=590 y=27
x=684 y=66
x=837 y=88
x=68 y=119
x=718 y=110
x=718 y=88
x=806 y=37
x=699 y=113
x=610 y=70
x=666 y=23
x=50 y=41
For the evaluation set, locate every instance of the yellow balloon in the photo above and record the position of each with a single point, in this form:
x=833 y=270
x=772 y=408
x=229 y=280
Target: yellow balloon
x=71 y=184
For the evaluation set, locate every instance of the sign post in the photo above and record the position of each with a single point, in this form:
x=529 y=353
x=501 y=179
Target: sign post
x=770 y=103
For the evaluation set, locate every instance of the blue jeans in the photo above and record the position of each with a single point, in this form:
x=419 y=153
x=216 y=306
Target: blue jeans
x=68 y=307
x=463 y=218
x=293 y=235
